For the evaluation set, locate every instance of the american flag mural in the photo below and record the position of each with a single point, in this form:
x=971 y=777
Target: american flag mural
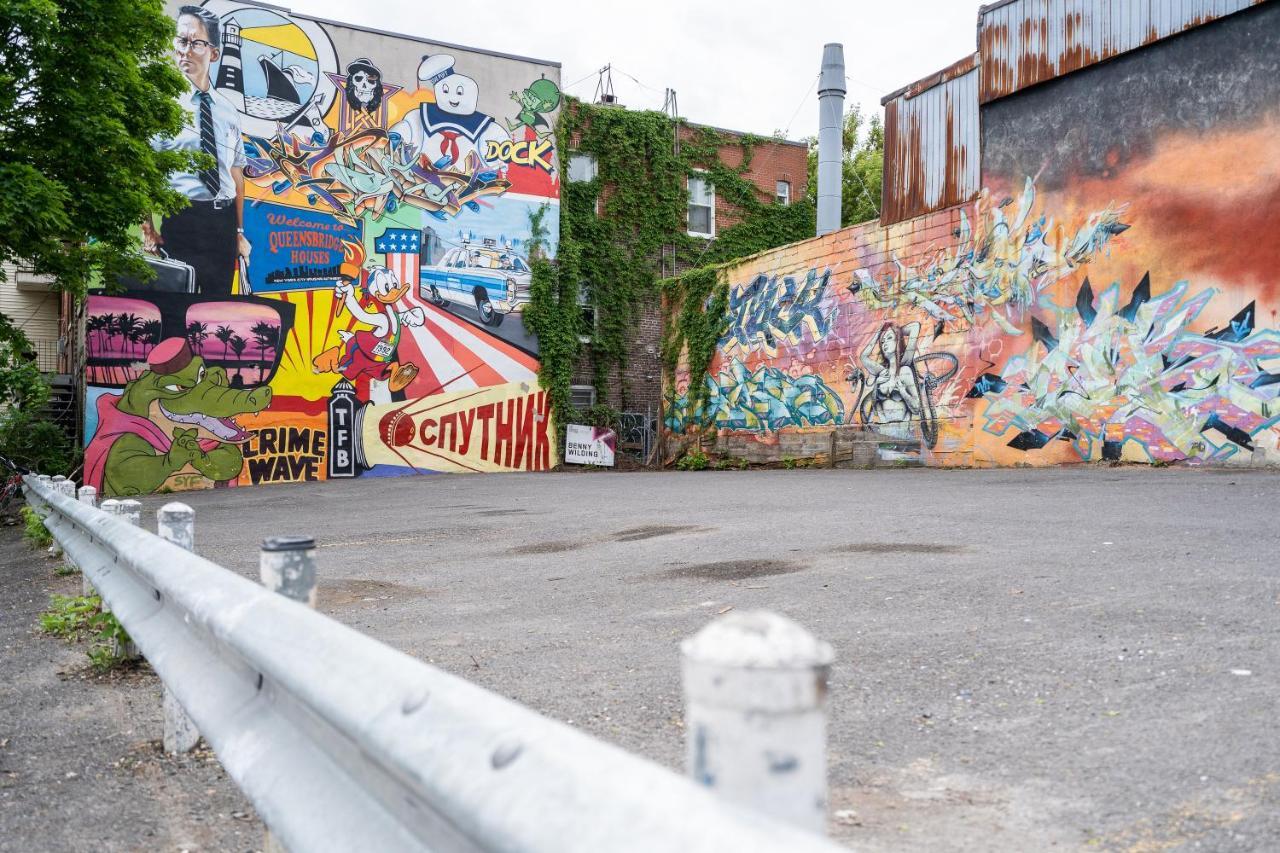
x=400 y=247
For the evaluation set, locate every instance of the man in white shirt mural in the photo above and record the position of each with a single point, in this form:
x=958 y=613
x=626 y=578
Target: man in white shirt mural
x=209 y=233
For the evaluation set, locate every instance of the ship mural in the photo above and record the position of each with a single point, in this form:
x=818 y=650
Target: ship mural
x=276 y=70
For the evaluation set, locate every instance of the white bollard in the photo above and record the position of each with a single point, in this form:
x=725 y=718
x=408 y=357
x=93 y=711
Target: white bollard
x=755 y=686
x=176 y=523
x=88 y=495
x=131 y=511
x=287 y=565
x=67 y=488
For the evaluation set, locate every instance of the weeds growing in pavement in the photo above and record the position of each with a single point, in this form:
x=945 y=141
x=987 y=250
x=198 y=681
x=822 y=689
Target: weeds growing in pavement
x=72 y=617
x=33 y=529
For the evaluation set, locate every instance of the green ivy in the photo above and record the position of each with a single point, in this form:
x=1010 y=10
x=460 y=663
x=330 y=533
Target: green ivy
x=640 y=192
x=697 y=316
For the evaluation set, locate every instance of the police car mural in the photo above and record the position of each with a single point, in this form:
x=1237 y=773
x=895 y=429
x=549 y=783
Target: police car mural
x=486 y=274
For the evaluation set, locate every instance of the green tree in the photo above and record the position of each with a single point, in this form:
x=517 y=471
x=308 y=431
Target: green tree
x=84 y=86
x=27 y=436
x=862 y=167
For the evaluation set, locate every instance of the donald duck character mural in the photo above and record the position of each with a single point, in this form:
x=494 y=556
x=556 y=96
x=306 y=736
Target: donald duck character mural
x=371 y=352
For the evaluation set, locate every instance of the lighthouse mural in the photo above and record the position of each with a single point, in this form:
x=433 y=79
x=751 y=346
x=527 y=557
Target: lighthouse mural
x=230 y=68
x=277 y=70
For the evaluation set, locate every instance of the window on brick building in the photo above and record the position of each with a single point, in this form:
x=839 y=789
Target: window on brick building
x=702 y=207
x=582 y=396
x=587 y=307
x=784 y=193
x=582 y=167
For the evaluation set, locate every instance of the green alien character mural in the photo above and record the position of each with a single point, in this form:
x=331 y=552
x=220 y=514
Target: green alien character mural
x=541 y=97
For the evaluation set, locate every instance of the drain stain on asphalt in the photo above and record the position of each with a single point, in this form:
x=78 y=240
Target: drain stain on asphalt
x=897 y=548
x=342 y=592
x=734 y=570
x=546 y=548
x=634 y=534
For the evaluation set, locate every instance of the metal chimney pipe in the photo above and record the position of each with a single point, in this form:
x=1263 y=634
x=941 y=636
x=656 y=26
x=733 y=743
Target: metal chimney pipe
x=831 y=93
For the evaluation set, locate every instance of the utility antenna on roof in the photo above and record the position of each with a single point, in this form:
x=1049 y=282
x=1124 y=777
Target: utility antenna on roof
x=673 y=112
x=604 y=87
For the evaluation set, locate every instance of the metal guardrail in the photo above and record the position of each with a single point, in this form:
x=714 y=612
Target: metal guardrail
x=343 y=743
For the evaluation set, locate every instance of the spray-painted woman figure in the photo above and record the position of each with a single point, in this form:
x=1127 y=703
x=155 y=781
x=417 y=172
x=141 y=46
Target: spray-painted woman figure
x=898 y=385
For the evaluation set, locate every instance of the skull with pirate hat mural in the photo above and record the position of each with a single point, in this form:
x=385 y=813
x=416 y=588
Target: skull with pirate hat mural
x=364 y=90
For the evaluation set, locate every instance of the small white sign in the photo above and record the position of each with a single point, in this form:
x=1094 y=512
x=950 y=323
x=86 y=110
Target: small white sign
x=585 y=445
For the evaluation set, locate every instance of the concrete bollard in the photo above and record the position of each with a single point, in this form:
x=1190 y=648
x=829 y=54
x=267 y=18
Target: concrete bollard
x=755 y=686
x=88 y=495
x=131 y=511
x=176 y=523
x=287 y=565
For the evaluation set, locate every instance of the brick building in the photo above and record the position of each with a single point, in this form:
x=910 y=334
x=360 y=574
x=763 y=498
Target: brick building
x=779 y=171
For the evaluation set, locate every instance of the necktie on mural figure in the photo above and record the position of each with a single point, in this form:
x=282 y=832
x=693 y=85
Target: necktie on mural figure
x=208 y=144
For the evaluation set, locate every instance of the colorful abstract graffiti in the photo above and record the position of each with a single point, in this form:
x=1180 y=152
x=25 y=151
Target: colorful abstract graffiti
x=995 y=272
x=356 y=261
x=989 y=345
x=1134 y=379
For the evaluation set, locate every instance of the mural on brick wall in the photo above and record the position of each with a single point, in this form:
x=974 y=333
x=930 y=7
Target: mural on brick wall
x=343 y=297
x=1111 y=299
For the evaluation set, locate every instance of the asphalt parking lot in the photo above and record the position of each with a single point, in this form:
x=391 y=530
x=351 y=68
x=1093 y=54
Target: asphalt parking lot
x=1070 y=658
x=1027 y=659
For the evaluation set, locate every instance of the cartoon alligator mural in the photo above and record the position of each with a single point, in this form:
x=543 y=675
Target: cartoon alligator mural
x=178 y=416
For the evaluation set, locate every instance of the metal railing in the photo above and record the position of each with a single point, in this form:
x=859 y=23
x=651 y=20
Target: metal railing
x=343 y=743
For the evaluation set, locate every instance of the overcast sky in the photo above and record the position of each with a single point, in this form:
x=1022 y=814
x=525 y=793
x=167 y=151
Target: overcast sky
x=742 y=64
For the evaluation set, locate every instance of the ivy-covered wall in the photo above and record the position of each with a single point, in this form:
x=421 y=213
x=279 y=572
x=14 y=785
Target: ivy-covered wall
x=623 y=231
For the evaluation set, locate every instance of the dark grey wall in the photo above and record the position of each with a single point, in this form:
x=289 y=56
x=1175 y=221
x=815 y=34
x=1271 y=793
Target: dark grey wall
x=1098 y=119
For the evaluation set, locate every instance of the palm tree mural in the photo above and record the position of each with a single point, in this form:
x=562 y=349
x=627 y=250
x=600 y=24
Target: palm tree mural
x=95 y=323
x=224 y=334
x=127 y=326
x=267 y=337
x=151 y=333
x=237 y=345
x=197 y=334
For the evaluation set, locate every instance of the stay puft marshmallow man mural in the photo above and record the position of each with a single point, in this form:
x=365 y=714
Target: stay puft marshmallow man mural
x=446 y=131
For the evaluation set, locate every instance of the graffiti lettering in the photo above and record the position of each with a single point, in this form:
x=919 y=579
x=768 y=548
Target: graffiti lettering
x=762 y=400
x=284 y=454
x=770 y=311
x=997 y=272
x=508 y=433
x=524 y=152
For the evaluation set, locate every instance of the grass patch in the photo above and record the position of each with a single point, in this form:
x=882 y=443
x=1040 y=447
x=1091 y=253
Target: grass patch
x=72 y=617
x=34 y=531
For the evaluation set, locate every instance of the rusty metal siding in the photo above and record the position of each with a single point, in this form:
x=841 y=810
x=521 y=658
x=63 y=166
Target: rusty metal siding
x=931 y=141
x=1024 y=42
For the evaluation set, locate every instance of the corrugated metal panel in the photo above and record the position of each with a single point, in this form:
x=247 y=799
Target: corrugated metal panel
x=1024 y=42
x=931 y=144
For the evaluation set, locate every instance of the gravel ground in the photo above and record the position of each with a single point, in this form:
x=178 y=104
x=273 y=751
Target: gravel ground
x=1069 y=659
x=81 y=766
